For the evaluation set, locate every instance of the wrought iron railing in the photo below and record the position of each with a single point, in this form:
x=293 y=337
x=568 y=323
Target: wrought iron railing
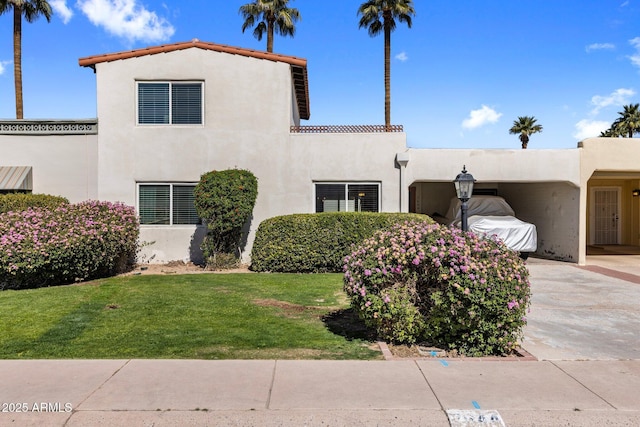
x=346 y=129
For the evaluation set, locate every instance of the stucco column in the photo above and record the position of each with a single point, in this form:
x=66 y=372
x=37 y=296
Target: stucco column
x=403 y=159
x=583 y=238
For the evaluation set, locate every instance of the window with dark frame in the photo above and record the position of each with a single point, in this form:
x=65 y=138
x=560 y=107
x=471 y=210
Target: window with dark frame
x=347 y=197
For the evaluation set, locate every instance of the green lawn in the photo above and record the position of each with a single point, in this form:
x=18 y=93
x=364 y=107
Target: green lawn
x=198 y=316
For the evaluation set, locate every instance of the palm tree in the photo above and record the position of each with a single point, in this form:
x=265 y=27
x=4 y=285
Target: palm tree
x=31 y=9
x=380 y=16
x=525 y=126
x=271 y=16
x=628 y=123
x=609 y=133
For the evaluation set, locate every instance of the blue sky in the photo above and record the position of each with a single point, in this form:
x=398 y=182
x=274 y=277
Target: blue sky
x=460 y=76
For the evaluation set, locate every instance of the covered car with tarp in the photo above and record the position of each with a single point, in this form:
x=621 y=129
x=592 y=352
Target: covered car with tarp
x=492 y=216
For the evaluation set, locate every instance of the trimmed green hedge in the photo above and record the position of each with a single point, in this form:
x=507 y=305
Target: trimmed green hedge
x=317 y=243
x=19 y=202
x=225 y=201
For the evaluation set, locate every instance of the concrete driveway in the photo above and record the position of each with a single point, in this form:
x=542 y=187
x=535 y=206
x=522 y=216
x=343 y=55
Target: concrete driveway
x=584 y=313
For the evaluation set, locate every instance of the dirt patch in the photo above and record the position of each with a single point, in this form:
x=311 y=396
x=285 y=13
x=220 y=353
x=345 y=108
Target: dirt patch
x=180 y=267
x=280 y=304
x=289 y=309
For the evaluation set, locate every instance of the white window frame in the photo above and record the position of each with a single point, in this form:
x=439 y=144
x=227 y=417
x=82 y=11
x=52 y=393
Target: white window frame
x=170 y=83
x=171 y=185
x=346 y=191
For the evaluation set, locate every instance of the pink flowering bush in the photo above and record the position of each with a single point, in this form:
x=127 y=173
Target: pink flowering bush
x=420 y=282
x=42 y=247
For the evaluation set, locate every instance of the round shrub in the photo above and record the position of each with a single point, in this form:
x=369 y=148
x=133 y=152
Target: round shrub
x=426 y=282
x=316 y=243
x=43 y=247
x=19 y=202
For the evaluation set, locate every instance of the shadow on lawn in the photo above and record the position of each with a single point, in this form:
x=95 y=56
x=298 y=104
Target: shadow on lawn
x=346 y=323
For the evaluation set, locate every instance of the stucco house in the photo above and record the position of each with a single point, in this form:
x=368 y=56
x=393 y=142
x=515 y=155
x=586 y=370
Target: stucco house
x=168 y=114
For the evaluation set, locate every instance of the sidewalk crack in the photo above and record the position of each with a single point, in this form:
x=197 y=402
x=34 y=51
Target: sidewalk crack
x=430 y=387
x=102 y=385
x=273 y=379
x=583 y=385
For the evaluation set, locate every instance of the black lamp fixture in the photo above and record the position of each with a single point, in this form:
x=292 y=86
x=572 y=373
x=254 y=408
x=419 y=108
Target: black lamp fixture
x=636 y=192
x=464 y=189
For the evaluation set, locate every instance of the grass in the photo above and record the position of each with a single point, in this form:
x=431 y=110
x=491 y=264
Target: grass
x=196 y=316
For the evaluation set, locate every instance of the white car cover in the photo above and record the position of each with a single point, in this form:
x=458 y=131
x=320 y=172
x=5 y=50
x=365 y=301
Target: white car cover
x=492 y=216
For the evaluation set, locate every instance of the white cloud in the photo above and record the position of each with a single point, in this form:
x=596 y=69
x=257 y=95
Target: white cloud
x=617 y=98
x=481 y=117
x=3 y=66
x=635 y=58
x=600 y=46
x=589 y=128
x=61 y=9
x=402 y=56
x=127 y=19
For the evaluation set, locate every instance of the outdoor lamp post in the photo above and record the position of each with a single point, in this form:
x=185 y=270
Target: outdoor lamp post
x=464 y=188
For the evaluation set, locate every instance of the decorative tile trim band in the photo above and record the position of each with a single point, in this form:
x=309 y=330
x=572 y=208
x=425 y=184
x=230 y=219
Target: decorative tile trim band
x=48 y=127
x=346 y=129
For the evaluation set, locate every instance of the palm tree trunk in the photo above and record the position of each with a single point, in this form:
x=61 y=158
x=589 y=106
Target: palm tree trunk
x=387 y=70
x=17 y=57
x=270 y=25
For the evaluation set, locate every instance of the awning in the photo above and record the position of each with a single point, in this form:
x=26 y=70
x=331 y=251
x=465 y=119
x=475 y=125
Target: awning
x=16 y=178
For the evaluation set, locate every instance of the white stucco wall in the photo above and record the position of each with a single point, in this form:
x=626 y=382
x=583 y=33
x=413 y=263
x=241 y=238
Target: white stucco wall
x=247 y=114
x=554 y=207
x=495 y=165
x=63 y=165
x=247 y=118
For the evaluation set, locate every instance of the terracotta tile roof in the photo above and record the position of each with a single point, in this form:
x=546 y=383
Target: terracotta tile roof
x=298 y=65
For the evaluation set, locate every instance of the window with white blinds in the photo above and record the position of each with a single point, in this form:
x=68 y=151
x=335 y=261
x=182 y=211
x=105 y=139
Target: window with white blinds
x=347 y=197
x=167 y=204
x=177 y=103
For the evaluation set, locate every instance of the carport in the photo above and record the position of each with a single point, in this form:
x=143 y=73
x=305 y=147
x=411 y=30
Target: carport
x=542 y=186
x=551 y=206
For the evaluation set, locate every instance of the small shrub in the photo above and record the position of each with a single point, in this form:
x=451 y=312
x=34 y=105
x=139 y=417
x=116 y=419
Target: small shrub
x=418 y=282
x=20 y=202
x=225 y=201
x=316 y=243
x=42 y=247
x=223 y=261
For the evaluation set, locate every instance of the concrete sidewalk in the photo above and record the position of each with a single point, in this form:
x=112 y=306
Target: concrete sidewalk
x=584 y=329
x=327 y=393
